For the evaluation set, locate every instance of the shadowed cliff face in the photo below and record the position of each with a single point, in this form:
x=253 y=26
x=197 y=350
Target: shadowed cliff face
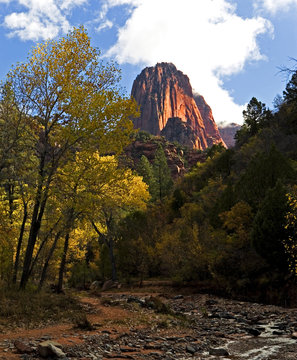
x=165 y=93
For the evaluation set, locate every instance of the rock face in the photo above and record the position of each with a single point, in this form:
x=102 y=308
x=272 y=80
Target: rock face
x=168 y=108
x=213 y=134
x=228 y=132
x=180 y=131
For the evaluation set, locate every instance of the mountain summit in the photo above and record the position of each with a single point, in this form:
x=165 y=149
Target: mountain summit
x=169 y=108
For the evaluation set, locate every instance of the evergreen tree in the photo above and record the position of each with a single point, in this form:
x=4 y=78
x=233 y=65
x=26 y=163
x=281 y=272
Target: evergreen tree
x=263 y=172
x=290 y=94
x=256 y=117
x=162 y=174
x=268 y=230
x=145 y=169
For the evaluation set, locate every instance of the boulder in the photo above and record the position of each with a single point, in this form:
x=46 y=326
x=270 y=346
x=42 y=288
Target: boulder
x=218 y=352
x=49 y=348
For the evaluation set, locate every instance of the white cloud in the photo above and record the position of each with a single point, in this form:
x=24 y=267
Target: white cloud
x=69 y=4
x=42 y=19
x=102 y=19
x=112 y=3
x=107 y=24
x=205 y=39
x=274 y=6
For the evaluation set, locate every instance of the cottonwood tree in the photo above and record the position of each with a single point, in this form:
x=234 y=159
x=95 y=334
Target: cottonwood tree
x=110 y=200
x=93 y=187
x=72 y=102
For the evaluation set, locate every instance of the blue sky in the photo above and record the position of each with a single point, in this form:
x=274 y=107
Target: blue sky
x=230 y=49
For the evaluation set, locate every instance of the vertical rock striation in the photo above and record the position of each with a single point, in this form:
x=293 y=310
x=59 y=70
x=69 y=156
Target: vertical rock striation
x=168 y=108
x=211 y=128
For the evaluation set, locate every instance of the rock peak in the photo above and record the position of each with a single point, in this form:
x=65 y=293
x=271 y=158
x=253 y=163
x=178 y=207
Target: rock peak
x=164 y=93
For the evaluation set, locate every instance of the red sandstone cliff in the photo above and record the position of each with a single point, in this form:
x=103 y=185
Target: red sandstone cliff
x=164 y=93
x=214 y=136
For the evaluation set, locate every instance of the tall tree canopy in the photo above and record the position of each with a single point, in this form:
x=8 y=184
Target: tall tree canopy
x=70 y=101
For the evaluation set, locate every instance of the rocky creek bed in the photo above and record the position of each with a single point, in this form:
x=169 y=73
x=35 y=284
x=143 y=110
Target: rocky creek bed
x=164 y=327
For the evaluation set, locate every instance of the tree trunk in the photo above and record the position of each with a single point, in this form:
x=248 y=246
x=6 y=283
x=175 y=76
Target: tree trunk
x=44 y=241
x=38 y=211
x=114 y=276
x=34 y=230
x=63 y=264
x=17 y=256
x=45 y=266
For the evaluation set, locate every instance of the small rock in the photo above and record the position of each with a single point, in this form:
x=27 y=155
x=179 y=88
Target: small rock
x=294 y=335
x=190 y=349
x=278 y=333
x=253 y=331
x=210 y=302
x=22 y=348
x=218 y=352
x=226 y=315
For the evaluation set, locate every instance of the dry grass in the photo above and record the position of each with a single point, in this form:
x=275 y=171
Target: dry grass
x=31 y=309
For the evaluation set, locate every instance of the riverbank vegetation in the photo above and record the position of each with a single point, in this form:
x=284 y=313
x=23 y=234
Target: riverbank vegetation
x=70 y=207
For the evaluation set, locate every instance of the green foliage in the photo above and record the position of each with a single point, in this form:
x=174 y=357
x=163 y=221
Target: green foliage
x=256 y=117
x=262 y=174
x=229 y=221
x=82 y=275
x=225 y=222
x=136 y=248
x=214 y=150
x=60 y=111
x=268 y=230
x=143 y=136
x=145 y=169
x=290 y=93
x=162 y=174
x=178 y=200
x=290 y=242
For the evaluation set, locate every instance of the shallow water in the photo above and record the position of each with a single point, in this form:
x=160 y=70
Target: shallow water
x=263 y=347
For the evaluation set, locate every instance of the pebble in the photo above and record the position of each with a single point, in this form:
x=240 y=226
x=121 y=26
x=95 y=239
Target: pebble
x=227 y=320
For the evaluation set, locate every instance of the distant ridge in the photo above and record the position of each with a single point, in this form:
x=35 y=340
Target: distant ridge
x=228 y=133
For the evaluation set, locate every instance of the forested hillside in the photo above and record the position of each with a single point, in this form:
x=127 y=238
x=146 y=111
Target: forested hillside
x=230 y=223
x=72 y=211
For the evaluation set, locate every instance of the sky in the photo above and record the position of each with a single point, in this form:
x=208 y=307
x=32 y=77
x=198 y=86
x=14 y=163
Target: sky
x=231 y=50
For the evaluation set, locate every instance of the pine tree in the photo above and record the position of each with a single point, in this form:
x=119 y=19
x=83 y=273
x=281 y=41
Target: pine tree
x=145 y=169
x=163 y=178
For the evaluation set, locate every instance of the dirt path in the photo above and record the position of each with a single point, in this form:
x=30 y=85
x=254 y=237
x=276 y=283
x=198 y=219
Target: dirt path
x=136 y=326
